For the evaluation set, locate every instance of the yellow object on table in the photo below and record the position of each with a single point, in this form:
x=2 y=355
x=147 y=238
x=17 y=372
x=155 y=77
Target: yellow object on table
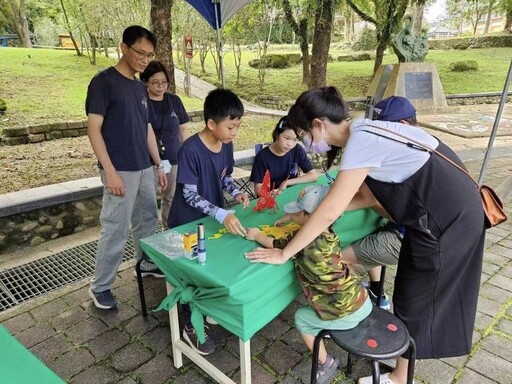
x=189 y=240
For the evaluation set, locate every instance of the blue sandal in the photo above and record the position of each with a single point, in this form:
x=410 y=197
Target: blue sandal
x=328 y=370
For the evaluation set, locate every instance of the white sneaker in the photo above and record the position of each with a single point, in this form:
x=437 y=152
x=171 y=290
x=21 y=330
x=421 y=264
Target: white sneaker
x=384 y=379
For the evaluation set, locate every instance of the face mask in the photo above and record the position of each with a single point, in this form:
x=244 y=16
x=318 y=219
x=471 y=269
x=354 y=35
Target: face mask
x=319 y=148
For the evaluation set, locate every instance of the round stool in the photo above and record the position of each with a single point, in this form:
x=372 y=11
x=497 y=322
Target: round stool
x=380 y=336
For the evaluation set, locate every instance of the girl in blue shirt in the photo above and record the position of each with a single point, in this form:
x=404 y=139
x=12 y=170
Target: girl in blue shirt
x=283 y=159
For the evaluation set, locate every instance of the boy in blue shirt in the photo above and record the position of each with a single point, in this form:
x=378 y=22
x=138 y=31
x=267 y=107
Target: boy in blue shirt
x=205 y=164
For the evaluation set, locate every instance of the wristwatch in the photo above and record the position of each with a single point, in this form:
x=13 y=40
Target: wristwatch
x=159 y=167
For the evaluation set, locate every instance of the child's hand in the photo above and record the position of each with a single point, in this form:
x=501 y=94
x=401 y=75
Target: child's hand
x=234 y=226
x=283 y=220
x=275 y=192
x=252 y=233
x=242 y=198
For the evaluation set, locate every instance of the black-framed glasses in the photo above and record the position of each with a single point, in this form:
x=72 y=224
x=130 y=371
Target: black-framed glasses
x=143 y=55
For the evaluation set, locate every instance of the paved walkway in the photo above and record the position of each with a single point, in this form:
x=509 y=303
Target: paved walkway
x=85 y=345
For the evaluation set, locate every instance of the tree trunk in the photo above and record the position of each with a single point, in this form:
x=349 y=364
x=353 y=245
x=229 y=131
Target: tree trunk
x=321 y=43
x=78 y=53
x=162 y=28
x=304 y=50
x=349 y=26
x=300 y=30
x=19 y=15
x=417 y=16
x=382 y=43
x=94 y=43
x=508 y=21
x=488 y=18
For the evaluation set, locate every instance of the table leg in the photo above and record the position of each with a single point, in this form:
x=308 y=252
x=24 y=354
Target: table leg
x=180 y=348
x=245 y=361
x=174 y=324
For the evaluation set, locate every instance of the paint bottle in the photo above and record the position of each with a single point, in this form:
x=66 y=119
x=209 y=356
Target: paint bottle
x=201 y=244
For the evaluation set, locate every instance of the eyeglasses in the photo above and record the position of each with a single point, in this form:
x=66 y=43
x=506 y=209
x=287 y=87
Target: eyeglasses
x=159 y=83
x=143 y=55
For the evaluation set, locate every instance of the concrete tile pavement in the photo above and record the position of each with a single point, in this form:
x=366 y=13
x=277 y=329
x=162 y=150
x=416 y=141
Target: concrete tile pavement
x=85 y=345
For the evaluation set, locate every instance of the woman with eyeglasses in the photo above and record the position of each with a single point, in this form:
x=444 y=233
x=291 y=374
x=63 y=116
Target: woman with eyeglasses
x=440 y=263
x=284 y=160
x=170 y=124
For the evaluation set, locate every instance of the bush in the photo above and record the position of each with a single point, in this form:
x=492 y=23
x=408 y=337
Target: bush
x=357 y=57
x=277 y=61
x=272 y=61
x=463 y=66
x=294 y=58
x=47 y=33
x=472 y=42
x=367 y=41
x=3 y=106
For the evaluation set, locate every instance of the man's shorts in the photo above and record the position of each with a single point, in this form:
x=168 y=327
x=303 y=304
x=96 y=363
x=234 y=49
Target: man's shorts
x=379 y=248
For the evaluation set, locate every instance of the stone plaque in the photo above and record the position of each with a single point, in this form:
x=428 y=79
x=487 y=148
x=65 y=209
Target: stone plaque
x=418 y=85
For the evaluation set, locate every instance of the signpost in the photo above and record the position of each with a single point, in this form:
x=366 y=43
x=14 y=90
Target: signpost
x=189 y=52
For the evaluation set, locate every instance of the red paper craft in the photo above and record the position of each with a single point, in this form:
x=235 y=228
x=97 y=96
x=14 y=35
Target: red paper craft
x=266 y=200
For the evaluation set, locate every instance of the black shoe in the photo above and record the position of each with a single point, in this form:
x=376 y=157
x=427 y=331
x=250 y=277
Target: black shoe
x=104 y=299
x=191 y=338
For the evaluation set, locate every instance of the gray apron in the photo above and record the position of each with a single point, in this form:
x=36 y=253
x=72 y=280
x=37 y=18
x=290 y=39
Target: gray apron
x=438 y=276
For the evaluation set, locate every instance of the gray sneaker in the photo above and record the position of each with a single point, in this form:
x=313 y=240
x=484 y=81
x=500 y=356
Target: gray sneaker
x=103 y=299
x=191 y=338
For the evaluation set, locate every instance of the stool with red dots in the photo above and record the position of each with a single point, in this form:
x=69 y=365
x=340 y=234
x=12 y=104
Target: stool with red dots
x=380 y=336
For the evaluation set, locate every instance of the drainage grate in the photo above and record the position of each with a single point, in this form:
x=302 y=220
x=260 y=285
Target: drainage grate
x=30 y=280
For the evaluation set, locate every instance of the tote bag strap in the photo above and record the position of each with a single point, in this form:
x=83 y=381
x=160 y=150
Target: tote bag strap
x=422 y=146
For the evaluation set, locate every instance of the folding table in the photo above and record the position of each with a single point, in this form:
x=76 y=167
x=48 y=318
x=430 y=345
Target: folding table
x=242 y=297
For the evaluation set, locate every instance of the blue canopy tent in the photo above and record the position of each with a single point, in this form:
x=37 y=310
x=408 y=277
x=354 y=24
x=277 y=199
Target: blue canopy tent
x=217 y=13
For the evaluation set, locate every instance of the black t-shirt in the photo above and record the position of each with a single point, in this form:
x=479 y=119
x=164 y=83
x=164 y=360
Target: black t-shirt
x=197 y=165
x=280 y=167
x=123 y=103
x=168 y=113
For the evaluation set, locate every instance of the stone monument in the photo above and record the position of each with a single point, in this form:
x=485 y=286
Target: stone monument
x=411 y=77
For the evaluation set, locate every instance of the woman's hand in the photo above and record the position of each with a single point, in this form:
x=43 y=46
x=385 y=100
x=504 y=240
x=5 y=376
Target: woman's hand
x=162 y=179
x=252 y=233
x=242 y=198
x=268 y=256
x=234 y=226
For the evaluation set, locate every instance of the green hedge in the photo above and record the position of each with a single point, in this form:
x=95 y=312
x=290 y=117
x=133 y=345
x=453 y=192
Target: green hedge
x=472 y=42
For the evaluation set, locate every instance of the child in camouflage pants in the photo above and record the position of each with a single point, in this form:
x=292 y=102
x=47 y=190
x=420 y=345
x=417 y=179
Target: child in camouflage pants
x=337 y=299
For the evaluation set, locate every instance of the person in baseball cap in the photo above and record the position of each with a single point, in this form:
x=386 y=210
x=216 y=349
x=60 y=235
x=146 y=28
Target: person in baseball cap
x=395 y=108
x=336 y=298
x=308 y=199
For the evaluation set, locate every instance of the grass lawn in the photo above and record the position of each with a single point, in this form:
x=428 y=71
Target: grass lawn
x=46 y=85
x=43 y=86
x=353 y=78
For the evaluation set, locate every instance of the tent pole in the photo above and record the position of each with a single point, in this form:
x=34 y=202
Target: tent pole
x=219 y=44
x=496 y=123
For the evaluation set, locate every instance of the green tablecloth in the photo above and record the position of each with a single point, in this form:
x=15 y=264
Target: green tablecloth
x=241 y=296
x=19 y=366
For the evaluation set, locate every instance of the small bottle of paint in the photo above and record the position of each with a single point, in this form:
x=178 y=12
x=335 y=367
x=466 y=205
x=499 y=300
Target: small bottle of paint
x=201 y=244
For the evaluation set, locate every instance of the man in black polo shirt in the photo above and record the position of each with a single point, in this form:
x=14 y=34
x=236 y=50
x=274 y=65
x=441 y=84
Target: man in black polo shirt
x=125 y=145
